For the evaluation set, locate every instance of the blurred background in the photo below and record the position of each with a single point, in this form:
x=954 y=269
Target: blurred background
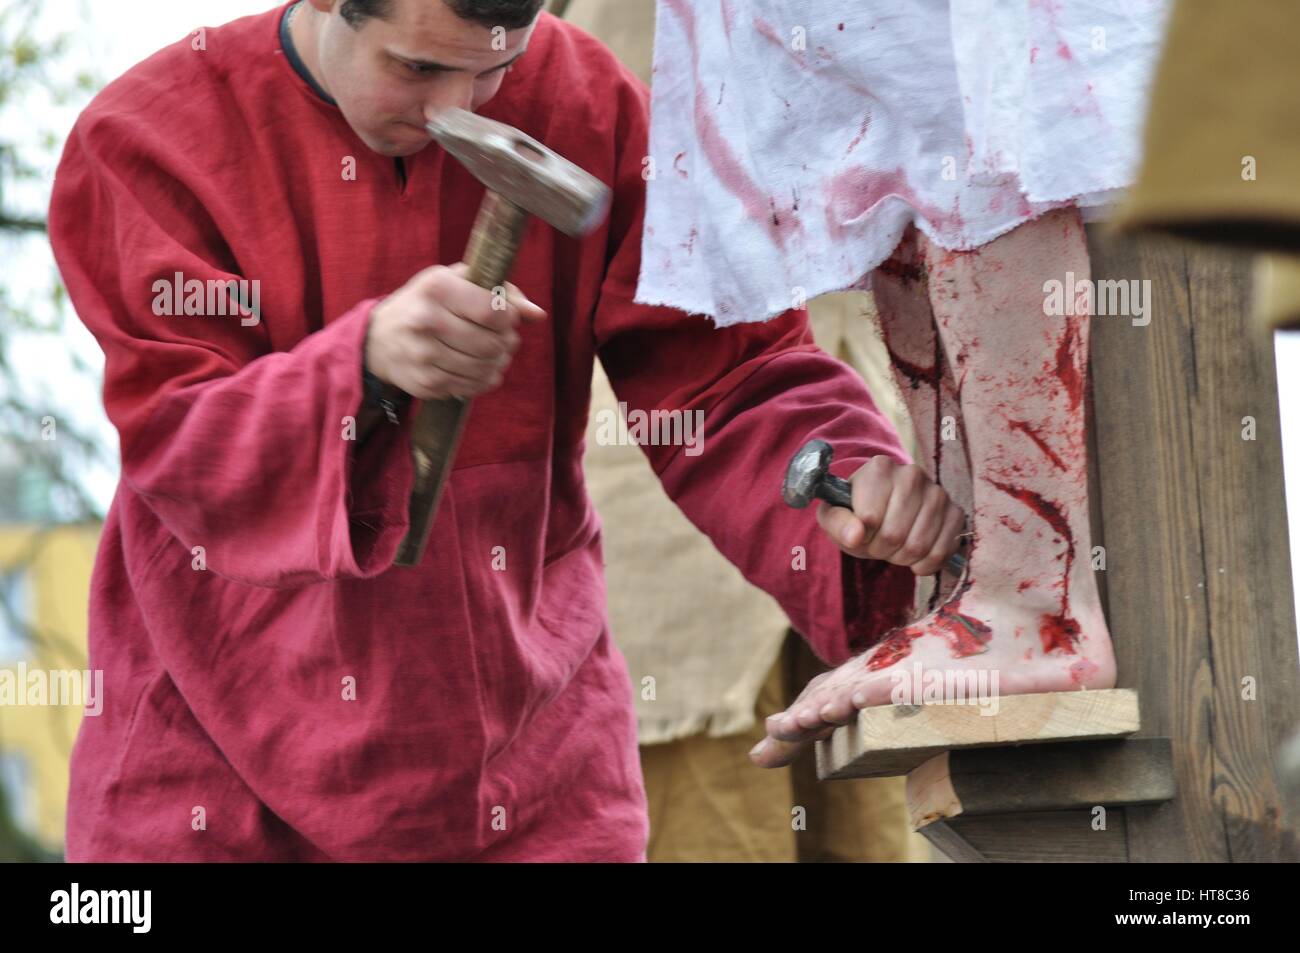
x=58 y=454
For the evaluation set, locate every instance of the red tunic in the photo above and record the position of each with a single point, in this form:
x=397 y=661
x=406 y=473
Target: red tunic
x=492 y=717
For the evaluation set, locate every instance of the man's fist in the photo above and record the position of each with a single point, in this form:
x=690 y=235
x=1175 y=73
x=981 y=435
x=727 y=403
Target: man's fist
x=441 y=335
x=898 y=515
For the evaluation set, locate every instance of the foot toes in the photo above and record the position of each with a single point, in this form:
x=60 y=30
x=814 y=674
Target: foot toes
x=788 y=727
x=774 y=753
x=783 y=727
x=840 y=711
x=808 y=717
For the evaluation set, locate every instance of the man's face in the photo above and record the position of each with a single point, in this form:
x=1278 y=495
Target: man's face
x=389 y=76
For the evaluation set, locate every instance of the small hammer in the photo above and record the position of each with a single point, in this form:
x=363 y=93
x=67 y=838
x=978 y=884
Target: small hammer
x=523 y=177
x=806 y=479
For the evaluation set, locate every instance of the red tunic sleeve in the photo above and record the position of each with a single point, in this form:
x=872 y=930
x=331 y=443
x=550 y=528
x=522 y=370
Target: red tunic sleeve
x=239 y=448
x=763 y=390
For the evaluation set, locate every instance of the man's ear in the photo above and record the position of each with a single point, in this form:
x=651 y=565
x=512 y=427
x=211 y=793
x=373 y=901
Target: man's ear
x=325 y=6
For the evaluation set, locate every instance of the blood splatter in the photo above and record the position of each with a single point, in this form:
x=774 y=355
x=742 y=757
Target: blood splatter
x=733 y=176
x=772 y=35
x=916 y=374
x=1049 y=512
x=726 y=166
x=966 y=634
x=897 y=269
x=1057 y=631
x=893 y=648
x=1085 y=99
x=856 y=190
x=1023 y=208
x=1033 y=435
x=862 y=132
x=1067 y=364
x=728 y=17
x=1081 y=671
x=769 y=32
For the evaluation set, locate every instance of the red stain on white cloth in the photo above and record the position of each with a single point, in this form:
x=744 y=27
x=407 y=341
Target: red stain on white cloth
x=854 y=191
x=779 y=221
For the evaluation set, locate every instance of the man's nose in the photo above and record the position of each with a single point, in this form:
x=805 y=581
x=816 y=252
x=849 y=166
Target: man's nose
x=460 y=97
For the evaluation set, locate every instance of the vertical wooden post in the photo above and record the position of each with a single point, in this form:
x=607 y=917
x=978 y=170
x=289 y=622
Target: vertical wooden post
x=1187 y=501
x=1192 y=515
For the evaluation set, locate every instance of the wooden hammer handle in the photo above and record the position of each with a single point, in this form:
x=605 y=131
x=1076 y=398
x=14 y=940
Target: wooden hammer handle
x=494 y=241
x=490 y=255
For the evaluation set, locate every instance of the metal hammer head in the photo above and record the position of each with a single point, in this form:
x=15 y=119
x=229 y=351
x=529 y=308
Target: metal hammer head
x=805 y=472
x=519 y=168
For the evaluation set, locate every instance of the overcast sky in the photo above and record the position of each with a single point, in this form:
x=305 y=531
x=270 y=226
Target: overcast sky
x=112 y=36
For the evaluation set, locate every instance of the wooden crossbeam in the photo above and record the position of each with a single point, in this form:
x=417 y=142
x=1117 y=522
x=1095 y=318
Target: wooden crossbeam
x=1050 y=777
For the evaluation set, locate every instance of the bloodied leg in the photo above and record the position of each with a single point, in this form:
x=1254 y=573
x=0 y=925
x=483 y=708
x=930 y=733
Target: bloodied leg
x=923 y=375
x=1028 y=607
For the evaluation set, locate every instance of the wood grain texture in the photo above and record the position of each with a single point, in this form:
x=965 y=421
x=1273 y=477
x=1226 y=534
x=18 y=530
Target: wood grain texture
x=1050 y=777
x=1193 y=520
x=1033 y=838
x=893 y=739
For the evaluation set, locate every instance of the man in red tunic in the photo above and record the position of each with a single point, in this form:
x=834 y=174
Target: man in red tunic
x=275 y=688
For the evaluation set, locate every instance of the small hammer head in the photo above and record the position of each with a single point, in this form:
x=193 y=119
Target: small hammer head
x=519 y=168
x=805 y=473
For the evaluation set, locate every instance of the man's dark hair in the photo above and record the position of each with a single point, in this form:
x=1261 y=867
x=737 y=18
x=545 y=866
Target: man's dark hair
x=510 y=14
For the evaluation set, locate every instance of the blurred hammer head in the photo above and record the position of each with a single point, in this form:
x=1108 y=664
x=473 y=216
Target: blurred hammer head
x=804 y=474
x=519 y=168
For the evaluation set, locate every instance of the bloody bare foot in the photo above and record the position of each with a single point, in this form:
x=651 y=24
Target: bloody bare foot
x=1027 y=611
